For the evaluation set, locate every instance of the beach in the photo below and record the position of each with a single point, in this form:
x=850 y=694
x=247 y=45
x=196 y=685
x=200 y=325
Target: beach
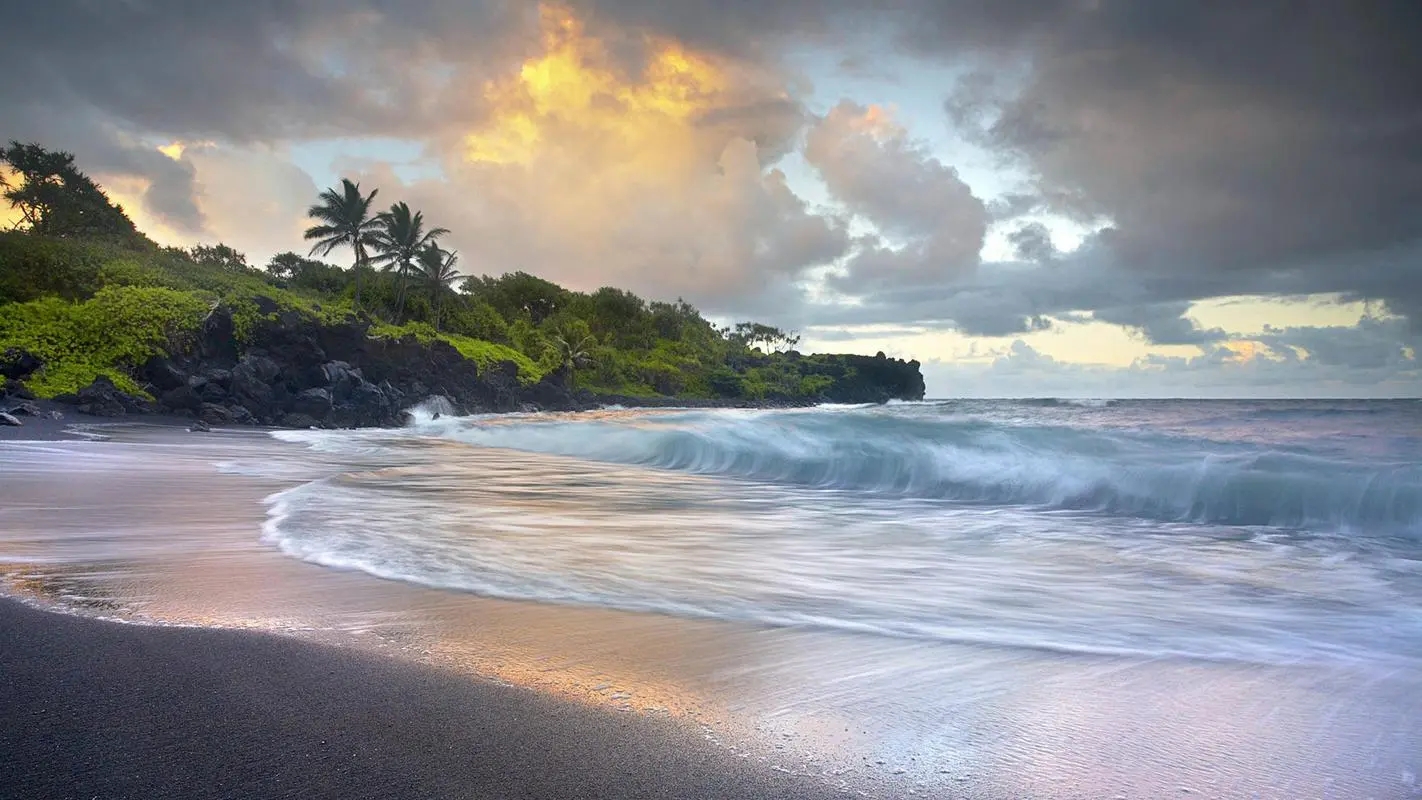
x=201 y=653
x=97 y=709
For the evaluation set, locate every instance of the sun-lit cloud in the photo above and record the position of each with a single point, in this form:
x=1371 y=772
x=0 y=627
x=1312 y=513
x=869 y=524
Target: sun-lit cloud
x=653 y=172
x=576 y=84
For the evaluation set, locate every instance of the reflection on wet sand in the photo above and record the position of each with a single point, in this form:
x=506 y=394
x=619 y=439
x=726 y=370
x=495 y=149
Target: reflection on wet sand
x=146 y=528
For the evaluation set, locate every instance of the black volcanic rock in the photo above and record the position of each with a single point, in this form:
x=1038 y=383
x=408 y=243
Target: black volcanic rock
x=102 y=399
x=10 y=387
x=182 y=397
x=18 y=364
x=295 y=371
x=314 y=403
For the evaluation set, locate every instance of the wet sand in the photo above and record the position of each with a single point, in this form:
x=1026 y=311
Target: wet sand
x=145 y=528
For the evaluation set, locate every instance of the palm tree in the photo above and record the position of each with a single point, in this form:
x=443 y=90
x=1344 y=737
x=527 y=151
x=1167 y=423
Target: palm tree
x=436 y=271
x=401 y=237
x=573 y=351
x=344 y=219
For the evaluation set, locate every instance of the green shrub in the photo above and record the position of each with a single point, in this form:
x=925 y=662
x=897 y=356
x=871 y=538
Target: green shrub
x=32 y=267
x=110 y=334
x=485 y=354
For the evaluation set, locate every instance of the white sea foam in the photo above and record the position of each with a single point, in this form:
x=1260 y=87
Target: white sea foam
x=926 y=522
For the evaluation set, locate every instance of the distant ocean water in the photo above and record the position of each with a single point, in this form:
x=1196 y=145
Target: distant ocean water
x=1272 y=532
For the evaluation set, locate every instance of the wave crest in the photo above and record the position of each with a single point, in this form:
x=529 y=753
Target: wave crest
x=971 y=460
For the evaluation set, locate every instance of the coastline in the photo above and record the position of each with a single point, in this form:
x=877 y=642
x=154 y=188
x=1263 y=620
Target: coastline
x=72 y=424
x=161 y=527
x=99 y=709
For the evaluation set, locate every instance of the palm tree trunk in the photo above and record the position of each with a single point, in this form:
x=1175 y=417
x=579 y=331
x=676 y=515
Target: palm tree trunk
x=400 y=297
x=360 y=261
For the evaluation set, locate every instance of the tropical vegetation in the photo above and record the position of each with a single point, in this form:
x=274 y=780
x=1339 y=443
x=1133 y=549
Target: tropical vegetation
x=83 y=289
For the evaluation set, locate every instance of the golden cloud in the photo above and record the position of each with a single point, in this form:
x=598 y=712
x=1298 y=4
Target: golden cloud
x=576 y=86
x=653 y=177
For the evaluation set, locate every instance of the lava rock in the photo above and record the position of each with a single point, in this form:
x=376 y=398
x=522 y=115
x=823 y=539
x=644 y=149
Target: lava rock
x=163 y=374
x=10 y=387
x=102 y=399
x=299 y=421
x=314 y=403
x=212 y=393
x=26 y=409
x=183 y=397
x=213 y=414
x=18 y=363
x=199 y=426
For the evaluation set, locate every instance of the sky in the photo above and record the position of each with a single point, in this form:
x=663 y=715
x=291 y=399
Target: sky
x=1031 y=197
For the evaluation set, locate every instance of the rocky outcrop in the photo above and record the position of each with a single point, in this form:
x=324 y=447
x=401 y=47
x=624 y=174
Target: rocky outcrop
x=102 y=399
x=18 y=364
x=296 y=372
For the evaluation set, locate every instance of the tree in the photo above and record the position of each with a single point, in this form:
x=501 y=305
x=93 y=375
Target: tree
x=573 y=348
x=345 y=220
x=221 y=256
x=753 y=334
x=519 y=294
x=399 y=240
x=436 y=272
x=284 y=266
x=55 y=199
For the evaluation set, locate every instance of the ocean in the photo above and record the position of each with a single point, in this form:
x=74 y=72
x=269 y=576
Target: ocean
x=957 y=598
x=1269 y=532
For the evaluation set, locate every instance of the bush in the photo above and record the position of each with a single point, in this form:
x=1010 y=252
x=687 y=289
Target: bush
x=32 y=267
x=485 y=354
x=110 y=334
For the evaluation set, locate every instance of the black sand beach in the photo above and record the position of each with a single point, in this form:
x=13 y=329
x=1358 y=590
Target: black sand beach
x=97 y=709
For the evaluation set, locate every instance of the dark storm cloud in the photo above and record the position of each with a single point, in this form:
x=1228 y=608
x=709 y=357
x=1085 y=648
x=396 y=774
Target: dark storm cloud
x=1248 y=138
x=1162 y=323
x=1251 y=146
x=105 y=79
x=1032 y=242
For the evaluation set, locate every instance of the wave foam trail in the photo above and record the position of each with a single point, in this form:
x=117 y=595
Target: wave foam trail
x=1030 y=527
x=968 y=459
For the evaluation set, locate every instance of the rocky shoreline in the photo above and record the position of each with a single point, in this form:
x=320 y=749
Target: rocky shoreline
x=294 y=372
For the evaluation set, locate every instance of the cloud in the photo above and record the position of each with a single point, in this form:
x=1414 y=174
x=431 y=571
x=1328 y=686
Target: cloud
x=1245 y=369
x=1162 y=323
x=1032 y=242
x=653 y=180
x=933 y=224
x=1240 y=139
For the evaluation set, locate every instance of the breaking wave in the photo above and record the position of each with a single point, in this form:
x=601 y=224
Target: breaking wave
x=967 y=459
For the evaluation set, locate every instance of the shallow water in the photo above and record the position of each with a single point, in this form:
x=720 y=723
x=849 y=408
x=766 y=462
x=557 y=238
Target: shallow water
x=983 y=598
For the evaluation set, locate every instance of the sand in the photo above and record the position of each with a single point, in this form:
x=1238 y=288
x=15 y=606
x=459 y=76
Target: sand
x=98 y=709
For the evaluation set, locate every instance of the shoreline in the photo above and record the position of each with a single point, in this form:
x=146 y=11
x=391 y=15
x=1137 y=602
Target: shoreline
x=101 y=709
x=70 y=426
x=842 y=711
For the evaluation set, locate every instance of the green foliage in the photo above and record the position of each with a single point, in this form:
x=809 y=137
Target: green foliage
x=55 y=199
x=110 y=334
x=343 y=219
x=59 y=292
x=220 y=256
x=485 y=354
x=32 y=267
x=519 y=295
